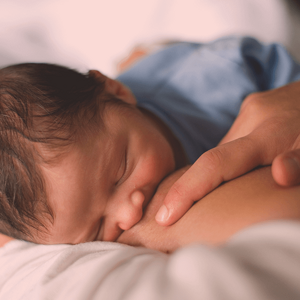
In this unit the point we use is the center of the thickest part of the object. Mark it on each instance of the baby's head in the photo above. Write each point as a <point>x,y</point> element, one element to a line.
<point>79,160</point>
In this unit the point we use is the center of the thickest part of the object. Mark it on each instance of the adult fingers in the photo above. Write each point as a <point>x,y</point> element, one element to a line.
<point>220,164</point>
<point>286,168</point>
<point>254,111</point>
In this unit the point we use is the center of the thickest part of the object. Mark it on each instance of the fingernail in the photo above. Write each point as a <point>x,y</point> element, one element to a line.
<point>162,215</point>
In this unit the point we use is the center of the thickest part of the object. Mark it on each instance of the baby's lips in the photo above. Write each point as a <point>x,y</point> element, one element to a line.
<point>108,233</point>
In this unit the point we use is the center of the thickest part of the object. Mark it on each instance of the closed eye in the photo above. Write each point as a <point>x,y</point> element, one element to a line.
<point>97,238</point>
<point>122,170</point>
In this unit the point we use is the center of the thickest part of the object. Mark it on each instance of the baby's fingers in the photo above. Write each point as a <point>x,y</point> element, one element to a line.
<point>222,163</point>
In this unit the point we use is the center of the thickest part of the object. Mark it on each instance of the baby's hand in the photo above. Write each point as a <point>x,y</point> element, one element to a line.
<point>267,131</point>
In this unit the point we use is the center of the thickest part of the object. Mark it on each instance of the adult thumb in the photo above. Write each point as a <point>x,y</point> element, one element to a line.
<point>286,168</point>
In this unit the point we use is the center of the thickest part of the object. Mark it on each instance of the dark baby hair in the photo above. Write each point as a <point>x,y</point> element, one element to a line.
<point>40,104</point>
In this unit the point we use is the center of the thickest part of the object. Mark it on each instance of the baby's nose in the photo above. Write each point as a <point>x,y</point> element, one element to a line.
<point>138,198</point>
<point>134,210</point>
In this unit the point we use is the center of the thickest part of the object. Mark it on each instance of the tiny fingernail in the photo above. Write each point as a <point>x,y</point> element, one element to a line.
<point>162,215</point>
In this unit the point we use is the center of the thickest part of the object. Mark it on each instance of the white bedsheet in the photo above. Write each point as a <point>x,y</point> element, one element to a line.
<point>262,262</point>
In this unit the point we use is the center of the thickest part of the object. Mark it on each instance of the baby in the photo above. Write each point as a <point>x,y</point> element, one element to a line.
<point>81,160</point>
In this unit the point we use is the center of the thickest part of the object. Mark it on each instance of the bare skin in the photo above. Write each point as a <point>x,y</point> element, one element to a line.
<point>235,205</point>
<point>88,228</point>
<point>108,176</point>
<point>4,239</point>
<point>101,187</point>
<point>265,132</point>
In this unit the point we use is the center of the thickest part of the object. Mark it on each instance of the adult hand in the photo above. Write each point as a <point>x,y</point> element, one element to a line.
<point>266,131</point>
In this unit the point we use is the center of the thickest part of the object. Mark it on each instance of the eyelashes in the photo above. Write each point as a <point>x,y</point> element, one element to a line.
<point>123,168</point>
<point>98,230</point>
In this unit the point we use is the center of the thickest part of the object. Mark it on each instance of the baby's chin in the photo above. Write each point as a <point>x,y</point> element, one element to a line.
<point>129,236</point>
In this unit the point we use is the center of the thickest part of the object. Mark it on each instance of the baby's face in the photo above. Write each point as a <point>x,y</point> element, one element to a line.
<point>102,185</point>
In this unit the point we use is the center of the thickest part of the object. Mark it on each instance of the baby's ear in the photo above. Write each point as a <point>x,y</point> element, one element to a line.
<point>114,87</point>
<point>98,76</point>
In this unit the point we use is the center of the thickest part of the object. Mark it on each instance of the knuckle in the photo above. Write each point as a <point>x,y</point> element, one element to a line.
<point>253,103</point>
<point>183,201</point>
<point>213,159</point>
<point>178,190</point>
<point>257,108</point>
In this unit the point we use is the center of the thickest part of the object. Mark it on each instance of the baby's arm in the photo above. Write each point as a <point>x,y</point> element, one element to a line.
<point>237,204</point>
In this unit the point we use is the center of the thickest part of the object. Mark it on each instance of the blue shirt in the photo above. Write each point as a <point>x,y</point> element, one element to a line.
<point>197,89</point>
